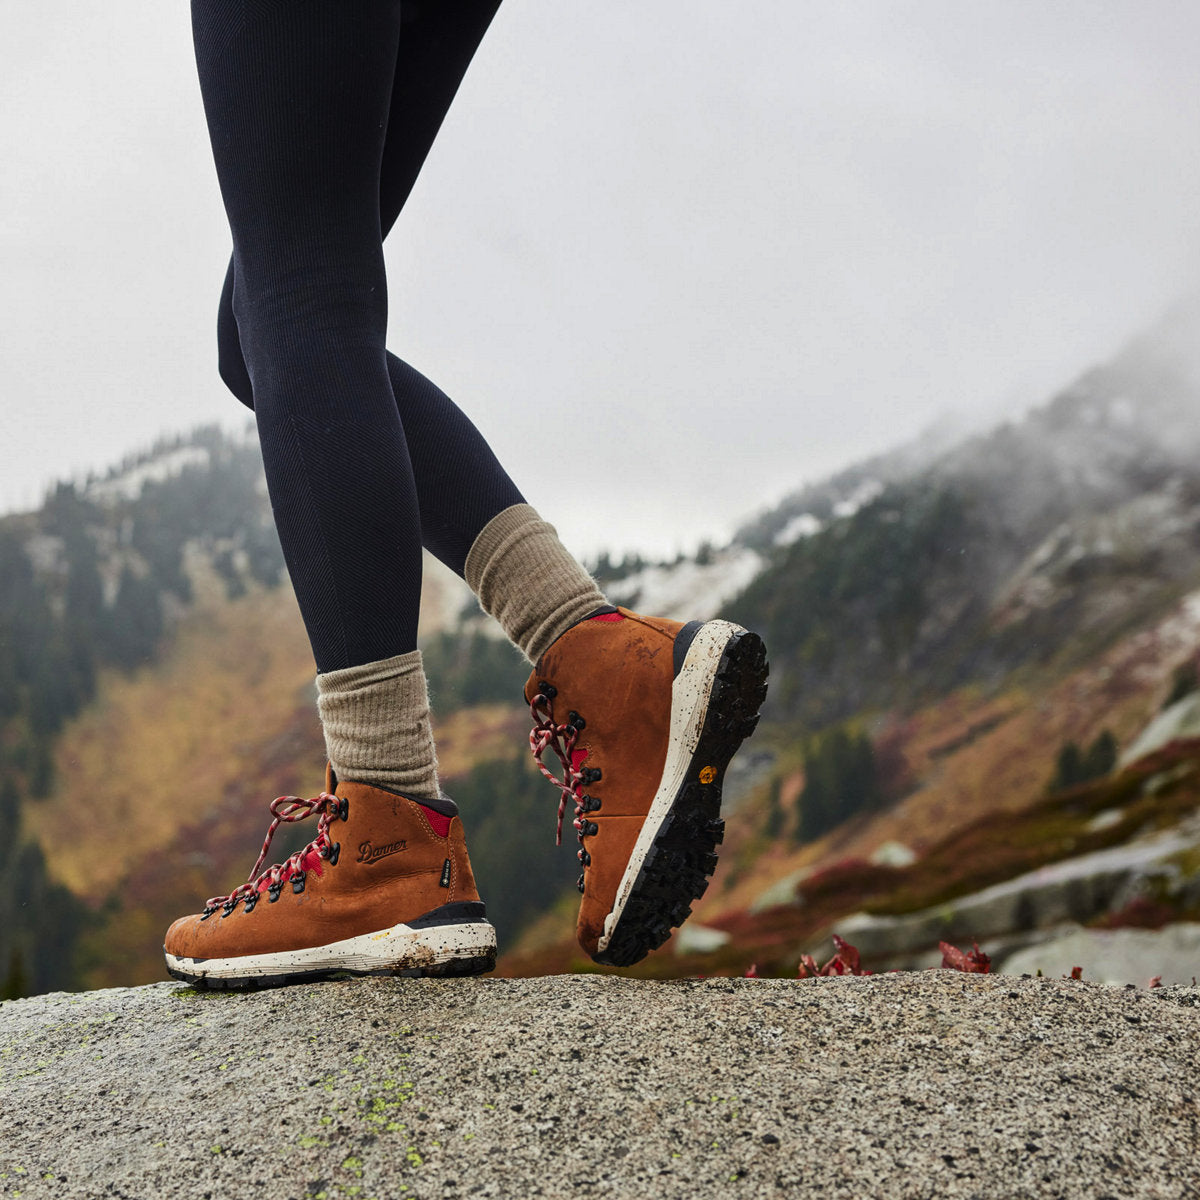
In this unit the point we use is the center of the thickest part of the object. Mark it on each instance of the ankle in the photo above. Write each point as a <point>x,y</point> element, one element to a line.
<point>525,578</point>
<point>377,725</point>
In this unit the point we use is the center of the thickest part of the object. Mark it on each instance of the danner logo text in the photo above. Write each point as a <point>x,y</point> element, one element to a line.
<point>368,852</point>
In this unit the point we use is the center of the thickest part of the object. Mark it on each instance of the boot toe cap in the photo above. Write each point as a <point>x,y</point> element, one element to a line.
<point>183,936</point>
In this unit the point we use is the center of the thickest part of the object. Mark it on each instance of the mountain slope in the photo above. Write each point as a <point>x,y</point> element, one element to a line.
<point>1037,543</point>
<point>156,692</point>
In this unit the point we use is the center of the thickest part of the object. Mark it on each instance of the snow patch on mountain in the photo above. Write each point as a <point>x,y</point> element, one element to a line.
<point>866,491</point>
<point>802,525</point>
<point>688,590</point>
<point>128,484</point>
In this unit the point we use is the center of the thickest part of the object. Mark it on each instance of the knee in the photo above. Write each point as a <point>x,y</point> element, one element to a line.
<point>307,340</point>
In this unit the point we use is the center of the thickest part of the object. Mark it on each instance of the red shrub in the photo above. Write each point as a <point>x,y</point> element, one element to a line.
<point>973,962</point>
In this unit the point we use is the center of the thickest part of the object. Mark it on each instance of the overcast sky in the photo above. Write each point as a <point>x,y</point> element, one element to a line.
<point>675,257</point>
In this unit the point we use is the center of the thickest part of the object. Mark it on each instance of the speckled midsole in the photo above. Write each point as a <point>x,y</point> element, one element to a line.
<point>690,693</point>
<point>397,948</point>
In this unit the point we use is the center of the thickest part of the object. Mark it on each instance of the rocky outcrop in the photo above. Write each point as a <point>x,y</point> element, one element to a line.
<point>1180,720</point>
<point>1032,907</point>
<point>928,1085</point>
<point>1116,955</point>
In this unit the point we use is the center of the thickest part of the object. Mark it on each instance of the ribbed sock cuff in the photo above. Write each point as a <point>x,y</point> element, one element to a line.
<point>377,726</point>
<point>525,578</point>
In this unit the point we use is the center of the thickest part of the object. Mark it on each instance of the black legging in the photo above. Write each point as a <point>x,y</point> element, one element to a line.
<point>321,113</point>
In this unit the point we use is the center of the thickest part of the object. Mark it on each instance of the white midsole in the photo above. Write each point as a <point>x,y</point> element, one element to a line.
<point>394,949</point>
<point>690,694</point>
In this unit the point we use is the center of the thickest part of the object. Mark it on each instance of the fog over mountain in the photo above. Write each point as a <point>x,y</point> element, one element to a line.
<point>1096,442</point>
<point>942,564</point>
<point>702,252</point>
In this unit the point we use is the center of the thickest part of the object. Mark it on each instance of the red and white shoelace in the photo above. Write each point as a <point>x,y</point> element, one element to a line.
<point>287,810</point>
<point>546,734</point>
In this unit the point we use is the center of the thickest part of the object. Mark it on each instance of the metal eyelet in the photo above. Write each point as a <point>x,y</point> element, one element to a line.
<point>227,908</point>
<point>547,689</point>
<point>343,810</point>
<point>208,912</point>
<point>579,883</point>
<point>298,883</point>
<point>575,721</point>
<point>584,857</point>
<point>273,892</point>
<point>334,853</point>
<point>251,901</point>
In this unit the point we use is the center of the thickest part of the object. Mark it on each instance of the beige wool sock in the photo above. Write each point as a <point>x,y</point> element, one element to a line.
<point>525,578</point>
<point>376,722</point>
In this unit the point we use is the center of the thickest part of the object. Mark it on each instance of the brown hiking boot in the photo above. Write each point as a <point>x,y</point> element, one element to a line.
<point>644,715</point>
<point>385,887</point>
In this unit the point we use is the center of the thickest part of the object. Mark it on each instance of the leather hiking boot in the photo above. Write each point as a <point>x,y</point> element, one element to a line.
<point>384,888</point>
<point>644,714</point>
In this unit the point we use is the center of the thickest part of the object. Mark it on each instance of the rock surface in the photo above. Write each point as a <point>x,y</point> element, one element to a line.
<point>926,1085</point>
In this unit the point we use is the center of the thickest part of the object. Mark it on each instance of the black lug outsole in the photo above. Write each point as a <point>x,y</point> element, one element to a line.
<point>683,855</point>
<point>476,964</point>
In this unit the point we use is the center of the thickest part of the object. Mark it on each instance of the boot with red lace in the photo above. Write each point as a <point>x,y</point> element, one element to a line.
<point>644,715</point>
<point>385,887</point>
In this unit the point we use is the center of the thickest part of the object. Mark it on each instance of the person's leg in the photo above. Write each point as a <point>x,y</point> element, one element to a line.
<point>530,583</point>
<point>459,482</point>
<point>437,43</point>
<point>523,575</point>
<point>296,96</point>
<point>461,485</point>
<point>297,99</point>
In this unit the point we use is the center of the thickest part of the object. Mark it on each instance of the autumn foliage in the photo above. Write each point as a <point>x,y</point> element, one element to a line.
<point>847,961</point>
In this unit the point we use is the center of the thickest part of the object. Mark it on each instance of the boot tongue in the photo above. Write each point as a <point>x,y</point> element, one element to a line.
<point>330,779</point>
<point>607,614</point>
